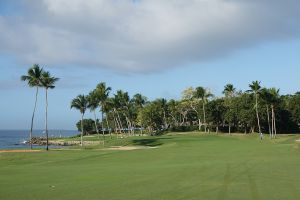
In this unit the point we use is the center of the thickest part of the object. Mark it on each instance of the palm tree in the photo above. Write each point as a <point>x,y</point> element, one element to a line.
<point>107,107</point>
<point>163,105</point>
<point>229,92</point>
<point>255,88</point>
<point>139,100</point>
<point>80,103</point>
<point>102,93</point>
<point>274,99</point>
<point>93,103</point>
<point>266,97</point>
<point>47,82</point>
<point>203,94</point>
<point>33,79</point>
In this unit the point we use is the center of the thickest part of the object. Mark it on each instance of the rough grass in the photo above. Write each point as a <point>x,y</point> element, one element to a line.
<point>193,166</point>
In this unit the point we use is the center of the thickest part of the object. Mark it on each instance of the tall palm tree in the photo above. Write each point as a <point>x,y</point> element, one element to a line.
<point>203,94</point>
<point>229,92</point>
<point>93,103</point>
<point>80,103</point>
<point>255,88</point>
<point>47,82</point>
<point>266,97</point>
<point>107,108</point>
<point>102,93</point>
<point>33,79</point>
<point>274,99</point>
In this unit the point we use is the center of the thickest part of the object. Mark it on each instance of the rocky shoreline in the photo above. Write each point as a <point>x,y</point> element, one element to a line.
<point>59,142</point>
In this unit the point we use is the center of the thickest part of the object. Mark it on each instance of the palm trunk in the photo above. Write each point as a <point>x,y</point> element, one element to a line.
<point>257,115</point>
<point>31,128</point>
<point>268,114</point>
<point>128,124</point>
<point>229,129</point>
<point>165,121</point>
<point>204,117</point>
<point>120,123</point>
<point>107,124</point>
<point>46,122</point>
<point>275,126</point>
<point>102,126</point>
<point>96,126</point>
<point>274,122</point>
<point>272,119</point>
<point>81,138</point>
<point>116,123</point>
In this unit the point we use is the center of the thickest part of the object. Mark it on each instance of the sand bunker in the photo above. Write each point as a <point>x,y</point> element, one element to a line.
<point>19,151</point>
<point>129,148</point>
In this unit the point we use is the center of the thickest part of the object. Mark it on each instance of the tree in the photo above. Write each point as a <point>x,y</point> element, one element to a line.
<point>102,93</point>
<point>294,107</point>
<point>229,92</point>
<point>151,118</point>
<point>216,110</point>
<point>203,94</point>
<point>47,82</point>
<point>80,103</point>
<point>163,108</point>
<point>273,99</point>
<point>93,103</point>
<point>245,115</point>
<point>137,103</point>
<point>88,126</point>
<point>33,79</point>
<point>173,112</point>
<point>139,100</point>
<point>188,97</point>
<point>255,88</point>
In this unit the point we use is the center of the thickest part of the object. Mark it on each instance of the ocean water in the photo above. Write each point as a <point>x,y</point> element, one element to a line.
<point>15,139</point>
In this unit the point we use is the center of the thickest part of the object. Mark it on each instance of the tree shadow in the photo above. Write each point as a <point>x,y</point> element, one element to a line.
<point>151,142</point>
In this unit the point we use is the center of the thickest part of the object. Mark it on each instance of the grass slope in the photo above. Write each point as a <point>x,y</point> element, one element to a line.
<point>182,167</point>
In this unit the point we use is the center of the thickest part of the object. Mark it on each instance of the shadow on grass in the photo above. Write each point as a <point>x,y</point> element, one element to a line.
<point>151,142</point>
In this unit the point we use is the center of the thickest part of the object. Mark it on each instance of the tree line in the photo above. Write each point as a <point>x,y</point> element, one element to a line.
<point>259,109</point>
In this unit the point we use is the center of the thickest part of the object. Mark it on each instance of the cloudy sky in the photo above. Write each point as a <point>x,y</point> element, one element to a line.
<point>154,47</point>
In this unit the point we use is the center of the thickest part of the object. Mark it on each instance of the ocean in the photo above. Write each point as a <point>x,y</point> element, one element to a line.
<point>15,139</point>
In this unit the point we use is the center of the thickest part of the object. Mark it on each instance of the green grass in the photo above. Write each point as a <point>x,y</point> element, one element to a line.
<point>194,166</point>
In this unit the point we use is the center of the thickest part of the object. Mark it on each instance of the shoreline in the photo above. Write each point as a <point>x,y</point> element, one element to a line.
<point>60,142</point>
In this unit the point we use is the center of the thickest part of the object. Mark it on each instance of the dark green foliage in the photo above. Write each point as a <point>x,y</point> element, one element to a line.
<point>88,126</point>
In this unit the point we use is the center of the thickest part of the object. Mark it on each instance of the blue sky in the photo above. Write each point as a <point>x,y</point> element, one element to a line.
<point>152,48</point>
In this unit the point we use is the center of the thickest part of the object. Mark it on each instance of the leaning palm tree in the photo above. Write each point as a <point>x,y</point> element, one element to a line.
<point>33,79</point>
<point>203,94</point>
<point>80,103</point>
<point>255,88</point>
<point>229,91</point>
<point>47,82</point>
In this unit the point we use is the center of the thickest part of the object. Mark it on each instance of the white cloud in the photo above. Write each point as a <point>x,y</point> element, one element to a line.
<point>144,35</point>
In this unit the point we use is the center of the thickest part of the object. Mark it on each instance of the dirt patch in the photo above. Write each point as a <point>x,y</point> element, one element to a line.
<point>298,140</point>
<point>19,151</point>
<point>129,148</point>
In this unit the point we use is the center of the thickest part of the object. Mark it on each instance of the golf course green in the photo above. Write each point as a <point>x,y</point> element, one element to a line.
<point>177,166</point>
